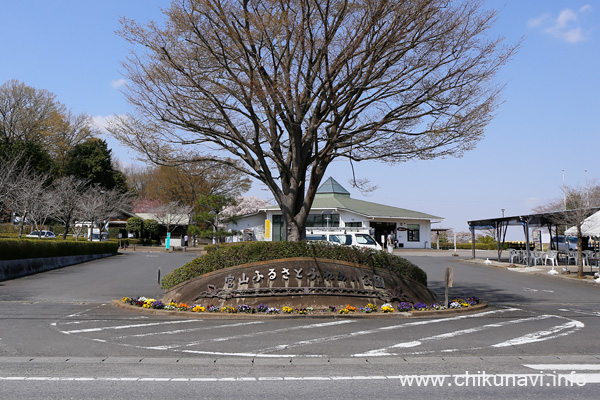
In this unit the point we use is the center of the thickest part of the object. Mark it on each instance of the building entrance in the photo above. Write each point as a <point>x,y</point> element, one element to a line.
<point>383,228</point>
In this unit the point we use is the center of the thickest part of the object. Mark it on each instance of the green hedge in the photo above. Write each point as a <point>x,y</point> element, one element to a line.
<point>248,252</point>
<point>14,249</point>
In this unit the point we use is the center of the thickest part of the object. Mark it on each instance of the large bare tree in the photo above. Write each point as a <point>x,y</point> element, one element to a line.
<point>571,210</point>
<point>68,192</point>
<point>97,205</point>
<point>288,86</point>
<point>10,173</point>
<point>28,199</point>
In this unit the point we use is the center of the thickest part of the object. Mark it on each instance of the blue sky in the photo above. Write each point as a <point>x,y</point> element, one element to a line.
<point>547,123</point>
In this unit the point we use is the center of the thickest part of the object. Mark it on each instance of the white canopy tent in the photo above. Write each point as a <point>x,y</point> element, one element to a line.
<point>590,227</point>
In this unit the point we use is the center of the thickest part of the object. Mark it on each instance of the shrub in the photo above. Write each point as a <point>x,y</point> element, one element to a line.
<point>249,252</point>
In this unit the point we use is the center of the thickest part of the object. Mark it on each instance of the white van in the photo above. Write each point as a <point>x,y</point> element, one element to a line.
<point>564,243</point>
<point>343,236</point>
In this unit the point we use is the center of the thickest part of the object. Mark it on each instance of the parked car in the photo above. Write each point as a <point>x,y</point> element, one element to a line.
<point>564,243</point>
<point>43,234</point>
<point>343,236</point>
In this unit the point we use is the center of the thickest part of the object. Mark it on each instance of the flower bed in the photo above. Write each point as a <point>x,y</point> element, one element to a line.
<point>265,309</point>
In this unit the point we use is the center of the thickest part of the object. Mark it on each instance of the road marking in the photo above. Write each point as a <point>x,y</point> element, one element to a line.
<point>204,328</point>
<point>564,367</point>
<point>207,379</point>
<point>377,330</point>
<point>295,328</point>
<point>574,377</point>
<point>129,326</point>
<point>86,321</point>
<point>312,326</point>
<point>253,355</point>
<point>594,313</point>
<point>385,351</point>
<point>541,336</point>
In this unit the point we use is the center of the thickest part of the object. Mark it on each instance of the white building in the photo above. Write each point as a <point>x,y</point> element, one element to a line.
<point>333,207</point>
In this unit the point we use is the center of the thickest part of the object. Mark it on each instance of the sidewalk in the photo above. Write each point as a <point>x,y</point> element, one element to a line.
<point>161,249</point>
<point>563,271</point>
<point>489,258</point>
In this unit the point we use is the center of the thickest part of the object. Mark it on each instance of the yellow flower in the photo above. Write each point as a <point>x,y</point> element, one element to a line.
<point>387,308</point>
<point>287,309</point>
<point>198,309</point>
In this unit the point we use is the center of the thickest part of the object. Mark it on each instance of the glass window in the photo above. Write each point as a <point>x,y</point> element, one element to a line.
<point>341,239</point>
<point>413,232</point>
<point>320,220</point>
<point>277,228</point>
<point>315,237</point>
<point>354,224</point>
<point>364,239</point>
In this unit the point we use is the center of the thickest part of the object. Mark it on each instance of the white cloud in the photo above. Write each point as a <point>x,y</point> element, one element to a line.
<point>574,35</point>
<point>102,122</point>
<point>532,23</point>
<point>566,26</point>
<point>118,83</point>
<point>565,17</point>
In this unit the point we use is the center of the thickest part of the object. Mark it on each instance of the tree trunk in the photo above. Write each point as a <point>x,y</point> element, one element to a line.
<point>67,226</point>
<point>293,219</point>
<point>22,224</point>
<point>579,252</point>
<point>296,203</point>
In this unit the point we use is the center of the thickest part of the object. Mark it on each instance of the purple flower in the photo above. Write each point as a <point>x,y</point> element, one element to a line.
<point>246,309</point>
<point>158,305</point>
<point>405,306</point>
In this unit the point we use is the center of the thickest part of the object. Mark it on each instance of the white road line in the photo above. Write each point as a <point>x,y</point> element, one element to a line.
<point>295,328</point>
<point>204,328</point>
<point>253,355</point>
<point>564,367</point>
<point>574,376</point>
<point>312,326</point>
<point>540,336</point>
<point>582,378</point>
<point>377,330</point>
<point>105,328</point>
<point>205,379</point>
<point>85,321</point>
<point>594,313</point>
<point>385,350</point>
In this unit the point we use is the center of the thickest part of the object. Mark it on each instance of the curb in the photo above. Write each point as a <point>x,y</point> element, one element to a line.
<point>204,315</point>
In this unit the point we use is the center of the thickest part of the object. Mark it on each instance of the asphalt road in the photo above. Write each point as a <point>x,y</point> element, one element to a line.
<point>60,338</point>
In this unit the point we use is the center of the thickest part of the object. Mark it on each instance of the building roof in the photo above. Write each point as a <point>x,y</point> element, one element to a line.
<point>332,187</point>
<point>331,195</point>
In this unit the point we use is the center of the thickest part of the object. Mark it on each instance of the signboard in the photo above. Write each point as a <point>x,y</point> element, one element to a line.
<point>168,241</point>
<point>267,229</point>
